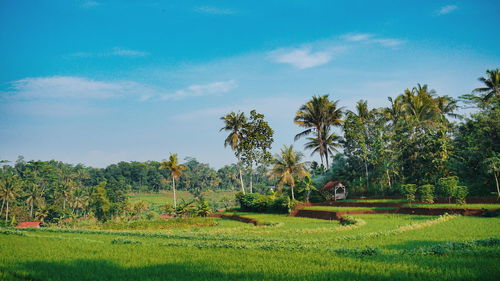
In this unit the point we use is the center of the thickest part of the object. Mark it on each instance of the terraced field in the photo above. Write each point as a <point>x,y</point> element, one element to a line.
<point>157,200</point>
<point>374,247</point>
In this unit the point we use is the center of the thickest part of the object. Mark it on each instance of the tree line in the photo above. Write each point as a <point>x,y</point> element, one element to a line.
<point>419,139</point>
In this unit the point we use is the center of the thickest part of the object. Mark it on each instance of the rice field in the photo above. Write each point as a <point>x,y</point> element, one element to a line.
<point>375,247</point>
<point>156,200</point>
<point>343,209</point>
<point>455,206</point>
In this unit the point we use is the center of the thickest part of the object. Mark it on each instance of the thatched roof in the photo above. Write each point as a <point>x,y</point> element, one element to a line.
<point>331,185</point>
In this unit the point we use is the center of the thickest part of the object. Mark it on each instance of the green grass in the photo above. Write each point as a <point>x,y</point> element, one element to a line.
<point>455,206</point>
<point>377,247</point>
<point>345,209</point>
<point>375,200</point>
<point>157,200</point>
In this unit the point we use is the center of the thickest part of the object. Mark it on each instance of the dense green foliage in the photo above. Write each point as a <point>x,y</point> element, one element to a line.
<point>421,138</point>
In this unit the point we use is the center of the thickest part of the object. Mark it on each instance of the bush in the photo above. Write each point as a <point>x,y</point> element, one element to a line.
<point>254,202</point>
<point>460,194</point>
<point>409,191</point>
<point>427,193</point>
<point>447,187</point>
<point>202,208</point>
<point>151,215</point>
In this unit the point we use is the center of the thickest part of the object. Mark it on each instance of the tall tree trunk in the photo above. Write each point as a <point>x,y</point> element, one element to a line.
<point>308,194</point>
<point>3,203</point>
<point>293,197</point>
<point>496,180</point>
<point>251,181</point>
<point>7,211</point>
<point>241,182</point>
<point>366,173</point>
<point>326,159</point>
<point>388,179</point>
<point>173,188</point>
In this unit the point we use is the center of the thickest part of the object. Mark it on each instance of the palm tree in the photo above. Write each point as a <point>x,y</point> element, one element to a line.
<point>491,85</point>
<point>317,116</point>
<point>287,166</point>
<point>363,115</point>
<point>9,187</point>
<point>33,193</point>
<point>234,123</point>
<point>326,146</point>
<point>175,171</point>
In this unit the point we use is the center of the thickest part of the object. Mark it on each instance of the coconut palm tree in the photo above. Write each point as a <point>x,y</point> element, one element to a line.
<point>317,116</point>
<point>363,115</point>
<point>327,145</point>
<point>287,166</point>
<point>32,193</point>
<point>175,171</point>
<point>234,123</point>
<point>491,84</point>
<point>9,188</point>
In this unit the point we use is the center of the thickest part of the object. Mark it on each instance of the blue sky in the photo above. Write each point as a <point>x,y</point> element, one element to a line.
<point>97,82</point>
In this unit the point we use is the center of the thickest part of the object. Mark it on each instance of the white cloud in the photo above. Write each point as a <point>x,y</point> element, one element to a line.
<point>203,90</point>
<point>74,87</point>
<point>301,58</point>
<point>90,4</point>
<point>447,9</point>
<point>56,87</point>
<point>373,39</point>
<point>355,37</point>
<point>115,51</point>
<point>214,10</point>
<point>126,52</point>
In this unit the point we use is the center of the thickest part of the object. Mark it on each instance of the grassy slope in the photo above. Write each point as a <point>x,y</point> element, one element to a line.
<point>156,200</point>
<point>287,251</point>
<point>344,209</point>
<point>456,206</point>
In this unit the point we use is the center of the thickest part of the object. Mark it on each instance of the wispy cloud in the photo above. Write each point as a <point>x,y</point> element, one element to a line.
<point>373,39</point>
<point>90,4</point>
<point>301,58</point>
<point>115,51</point>
<point>446,10</point>
<point>64,87</point>
<point>74,87</point>
<point>202,90</point>
<point>214,10</point>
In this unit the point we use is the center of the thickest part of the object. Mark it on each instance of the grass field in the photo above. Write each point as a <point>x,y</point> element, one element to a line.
<point>377,247</point>
<point>376,200</point>
<point>157,200</point>
<point>455,206</point>
<point>343,209</point>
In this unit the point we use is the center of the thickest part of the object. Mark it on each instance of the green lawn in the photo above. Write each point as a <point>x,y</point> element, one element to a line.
<point>455,206</point>
<point>345,209</point>
<point>157,200</point>
<point>375,200</point>
<point>377,247</point>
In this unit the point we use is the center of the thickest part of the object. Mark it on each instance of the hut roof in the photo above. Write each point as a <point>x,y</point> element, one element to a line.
<point>330,185</point>
<point>28,224</point>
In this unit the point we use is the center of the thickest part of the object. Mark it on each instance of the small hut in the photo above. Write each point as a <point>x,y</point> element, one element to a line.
<point>334,190</point>
<point>25,224</point>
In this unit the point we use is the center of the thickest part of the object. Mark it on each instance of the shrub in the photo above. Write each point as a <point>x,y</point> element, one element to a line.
<point>124,241</point>
<point>460,194</point>
<point>409,191</point>
<point>202,208</point>
<point>151,215</point>
<point>427,193</point>
<point>447,187</point>
<point>255,202</point>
